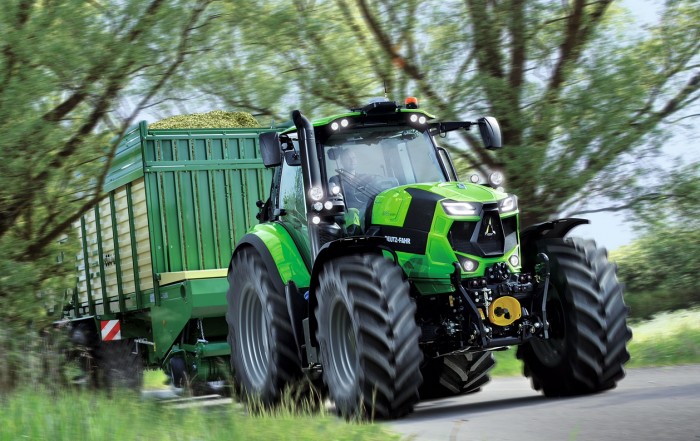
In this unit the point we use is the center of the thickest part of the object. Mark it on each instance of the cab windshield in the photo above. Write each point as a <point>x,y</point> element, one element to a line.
<point>366,161</point>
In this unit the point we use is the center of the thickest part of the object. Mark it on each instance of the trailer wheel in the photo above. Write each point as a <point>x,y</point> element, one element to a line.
<point>368,337</point>
<point>457,374</point>
<point>118,366</point>
<point>263,352</point>
<point>587,349</point>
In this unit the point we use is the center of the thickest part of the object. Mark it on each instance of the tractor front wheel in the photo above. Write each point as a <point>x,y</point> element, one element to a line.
<point>368,337</point>
<point>457,374</point>
<point>588,334</point>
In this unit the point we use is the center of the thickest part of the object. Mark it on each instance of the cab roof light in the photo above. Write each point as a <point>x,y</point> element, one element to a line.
<point>411,102</point>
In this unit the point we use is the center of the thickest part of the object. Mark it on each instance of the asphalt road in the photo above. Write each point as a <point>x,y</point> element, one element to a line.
<point>648,404</point>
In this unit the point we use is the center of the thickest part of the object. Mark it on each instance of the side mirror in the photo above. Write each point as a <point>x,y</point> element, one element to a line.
<point>490,132</point>
<point>271,149</point>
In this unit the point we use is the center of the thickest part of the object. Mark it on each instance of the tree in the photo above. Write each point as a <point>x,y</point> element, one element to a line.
<point>66,68</point>
<point>659,269</point>
<point>578,95</point>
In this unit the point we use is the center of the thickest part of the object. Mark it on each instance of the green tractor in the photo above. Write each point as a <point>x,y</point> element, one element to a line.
<point>376,270</point>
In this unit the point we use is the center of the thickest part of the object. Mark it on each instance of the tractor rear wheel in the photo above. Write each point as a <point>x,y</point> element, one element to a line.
<point>368,337</point>
<point>457,374</point>
<point>263,350</point>
<point>588,334</point>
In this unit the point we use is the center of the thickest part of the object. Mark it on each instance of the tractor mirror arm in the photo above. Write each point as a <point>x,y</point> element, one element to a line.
<point>488,127</point>
<point>442,128</point>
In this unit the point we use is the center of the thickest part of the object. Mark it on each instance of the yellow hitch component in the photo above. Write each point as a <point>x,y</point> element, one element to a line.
<point>504,310</point>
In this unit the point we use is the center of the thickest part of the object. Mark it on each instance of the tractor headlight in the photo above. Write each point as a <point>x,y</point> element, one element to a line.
<point>514,260</point>
<point>508,204</point>
<point>469,265</point>
<point>460,208</point>
<point>496,179</point>
<point>316,193</point>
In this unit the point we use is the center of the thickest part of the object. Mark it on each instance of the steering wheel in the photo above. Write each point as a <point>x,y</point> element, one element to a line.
<point>364,187</point>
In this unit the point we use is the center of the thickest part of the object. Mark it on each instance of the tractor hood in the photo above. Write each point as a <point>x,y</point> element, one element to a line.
<point>433,225</point>
<point>416,204</point>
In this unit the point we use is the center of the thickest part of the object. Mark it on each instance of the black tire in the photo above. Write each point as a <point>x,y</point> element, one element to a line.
<point>368,337</point>
<point>178,372</point>
<point>457,374</point>
<point>587,347</point>
<point>118,366</point>
<point>263,350</point>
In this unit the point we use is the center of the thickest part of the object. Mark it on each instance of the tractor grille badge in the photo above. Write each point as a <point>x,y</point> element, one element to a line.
<point>489,228</point>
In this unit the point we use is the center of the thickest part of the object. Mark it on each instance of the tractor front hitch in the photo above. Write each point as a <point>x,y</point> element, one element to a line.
<point>542,272</point>
<point>472,310</point>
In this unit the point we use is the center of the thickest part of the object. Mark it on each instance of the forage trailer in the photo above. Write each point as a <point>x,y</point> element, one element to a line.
<point>152,283</point>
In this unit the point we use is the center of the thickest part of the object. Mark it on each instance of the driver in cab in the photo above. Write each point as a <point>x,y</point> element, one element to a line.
<point>347,178</point>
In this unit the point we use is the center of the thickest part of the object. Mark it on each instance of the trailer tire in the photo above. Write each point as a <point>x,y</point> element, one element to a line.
<point>457,374</point>
<point>118,366</point>
<point>264,357</point>
<point>587,347</point>
<point>368,337</point>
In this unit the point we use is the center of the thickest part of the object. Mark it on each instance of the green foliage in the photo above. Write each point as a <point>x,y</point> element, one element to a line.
<point>66,69</point>
<point>660,268</point>
<point>666,340</point>
<point>579,90</point>
<point>70,416</point>
<point>216,119</point>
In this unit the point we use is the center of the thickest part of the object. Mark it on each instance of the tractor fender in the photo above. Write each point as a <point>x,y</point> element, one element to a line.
<point>278,251</point>
<point>331,250</point>
<point>545,230</point>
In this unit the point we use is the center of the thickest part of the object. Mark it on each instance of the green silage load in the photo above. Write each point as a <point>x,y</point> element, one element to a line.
<point>216,119</point>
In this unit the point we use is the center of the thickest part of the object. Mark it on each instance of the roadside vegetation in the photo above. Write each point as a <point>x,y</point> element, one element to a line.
<point>38,415</point>
<point>669,339</point>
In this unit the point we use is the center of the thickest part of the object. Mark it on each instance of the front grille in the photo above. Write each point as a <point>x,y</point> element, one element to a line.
<point>491,239</point>
<point>490,236</point>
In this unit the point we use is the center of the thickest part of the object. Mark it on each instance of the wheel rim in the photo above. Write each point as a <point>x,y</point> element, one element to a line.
<point>343,346</point>
<point>254,344</point>
<point>551,352</point>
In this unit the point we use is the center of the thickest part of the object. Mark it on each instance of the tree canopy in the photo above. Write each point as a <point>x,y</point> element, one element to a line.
<point>579,94</point>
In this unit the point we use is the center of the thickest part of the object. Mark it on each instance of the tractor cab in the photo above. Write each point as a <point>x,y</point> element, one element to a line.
<point>354,157</point>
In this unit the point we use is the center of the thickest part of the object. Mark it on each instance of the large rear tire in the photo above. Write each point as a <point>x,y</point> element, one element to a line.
<point>587,349</point>
<point>368,337</point>
<point>457,374</point>
<point>263,352</point>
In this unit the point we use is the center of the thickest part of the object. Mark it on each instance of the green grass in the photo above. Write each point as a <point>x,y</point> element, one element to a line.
<point>155,379</point>
<point>668,339</point>
<point>83,416</point>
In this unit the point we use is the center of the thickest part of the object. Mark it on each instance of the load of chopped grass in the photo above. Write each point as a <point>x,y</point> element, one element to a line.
<point>216,119</point>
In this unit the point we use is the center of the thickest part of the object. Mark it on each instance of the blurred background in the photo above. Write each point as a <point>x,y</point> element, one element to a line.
<point>598,103</point>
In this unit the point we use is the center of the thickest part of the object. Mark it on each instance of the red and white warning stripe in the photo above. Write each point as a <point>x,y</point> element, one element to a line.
<point>111,330</point>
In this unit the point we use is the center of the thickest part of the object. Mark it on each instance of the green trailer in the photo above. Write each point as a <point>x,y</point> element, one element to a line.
<point>152,266</point>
